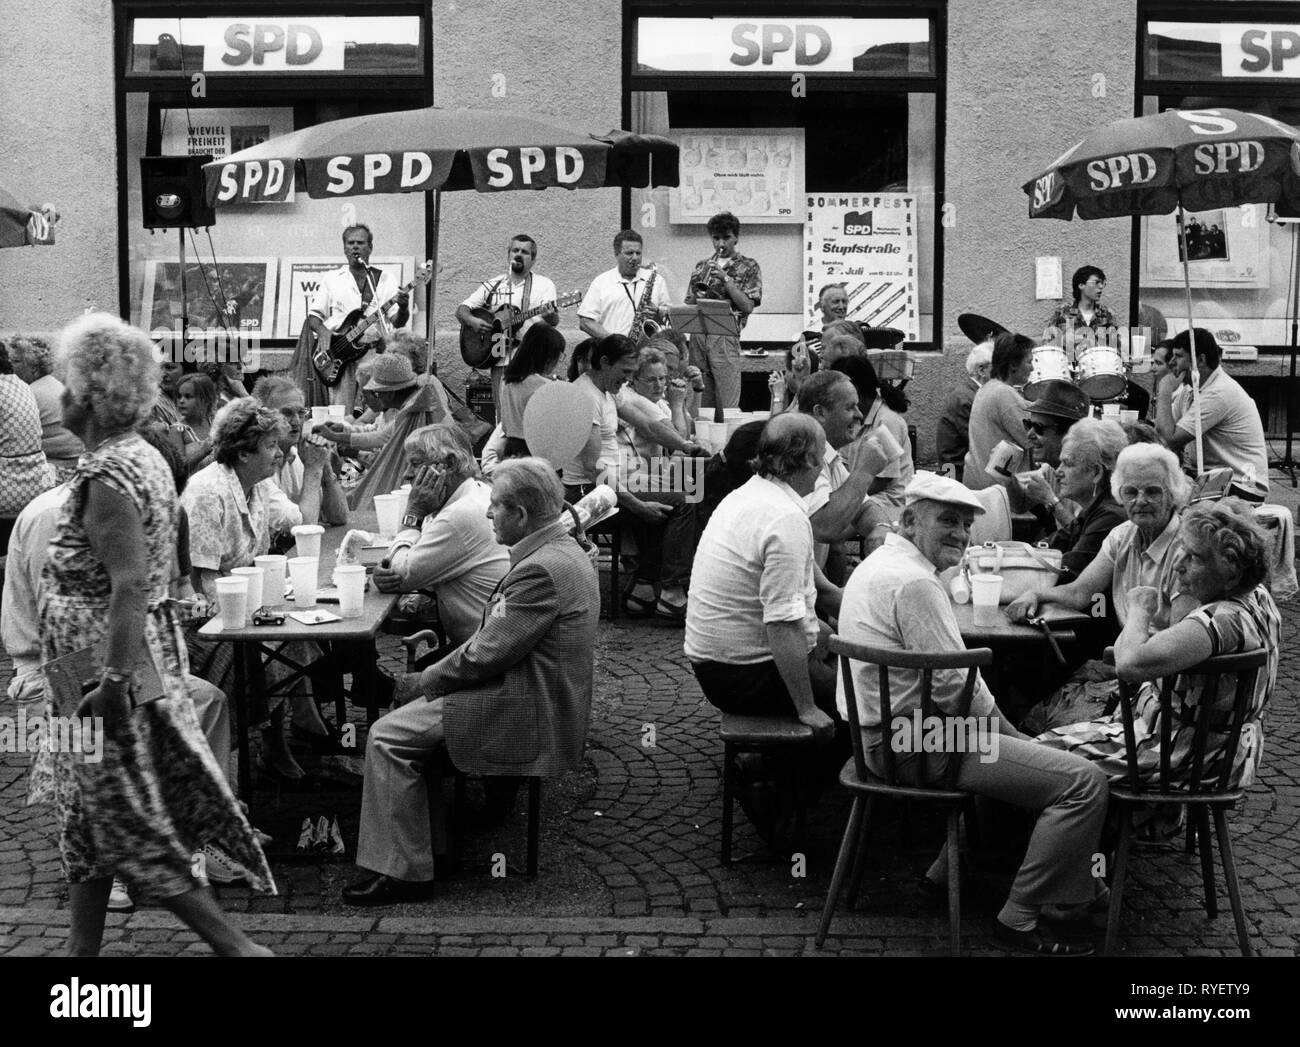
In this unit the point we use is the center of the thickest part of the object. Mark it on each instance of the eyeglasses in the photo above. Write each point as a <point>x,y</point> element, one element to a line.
<point>1152,494</point>
<point>1040,427</point>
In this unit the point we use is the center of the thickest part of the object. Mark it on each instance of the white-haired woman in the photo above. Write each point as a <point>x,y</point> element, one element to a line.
<point>1225,567</point>
<point>32,358</point>
<point>1144,551</point>
<point>157,796</point>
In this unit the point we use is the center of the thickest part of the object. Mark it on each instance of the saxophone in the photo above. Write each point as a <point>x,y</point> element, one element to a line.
<point>643,327</point>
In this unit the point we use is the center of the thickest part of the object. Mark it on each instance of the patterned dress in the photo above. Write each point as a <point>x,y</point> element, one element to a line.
<point>157,795</point>
<point>1242,623</point>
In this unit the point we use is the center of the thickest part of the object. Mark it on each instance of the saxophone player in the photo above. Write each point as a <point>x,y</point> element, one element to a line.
<point>612,299</point>
<point>726,277</point>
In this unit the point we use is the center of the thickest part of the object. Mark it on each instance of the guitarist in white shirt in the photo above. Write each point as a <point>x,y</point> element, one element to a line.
<point>520,288</point>
<point>348,288</point>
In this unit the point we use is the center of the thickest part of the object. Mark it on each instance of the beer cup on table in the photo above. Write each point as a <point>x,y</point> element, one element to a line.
<point>256,577</point>
<point>307,539</point>
<point>351,582</point>
<point>232,601</point>
<point>274,569</point>
<point>302,573</point>
<point>986,592</point>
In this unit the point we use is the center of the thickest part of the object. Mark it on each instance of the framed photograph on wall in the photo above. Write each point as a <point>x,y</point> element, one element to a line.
<point>237,297</point>
<point>757,175</point>
<point>1227,248</point>
<point>300,279</point>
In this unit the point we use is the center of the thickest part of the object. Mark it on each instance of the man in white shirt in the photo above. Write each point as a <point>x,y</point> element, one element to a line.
<point>305,474</point>
<point>520,288</point>
<point>1232,433</point>
<point>611,301</point>
<point>895,600</point>
<point>446,544</point>
<point>350,287</point>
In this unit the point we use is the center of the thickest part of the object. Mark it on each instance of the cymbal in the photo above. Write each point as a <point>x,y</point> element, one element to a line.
<point>882,337</point>
<point>979,328</point>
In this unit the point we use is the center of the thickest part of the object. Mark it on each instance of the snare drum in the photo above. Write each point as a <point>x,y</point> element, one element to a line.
<point>1050,363</point>
<point>1101,373</point>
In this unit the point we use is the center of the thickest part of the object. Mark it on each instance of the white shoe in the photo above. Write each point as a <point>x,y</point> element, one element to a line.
<point>219,867</point>
<point>118,899</point>
<point>336,838</point>
<point>307,835</point>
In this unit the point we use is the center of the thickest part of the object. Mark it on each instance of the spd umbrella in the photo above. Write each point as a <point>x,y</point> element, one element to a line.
<point>1181,159</point>
<point>20,225</point>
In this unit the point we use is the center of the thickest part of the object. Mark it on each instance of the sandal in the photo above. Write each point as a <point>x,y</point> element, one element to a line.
<point>636,607</point>
<point>674,612</point>
<point>1039,941</point>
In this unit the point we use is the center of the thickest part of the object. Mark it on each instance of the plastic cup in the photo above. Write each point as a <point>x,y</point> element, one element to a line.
<point>1001,459</point>
<point>388,510</point>
<point>351,580</point>
<point>232,599</point>
<point>338,411</point>
<point>1128,417</point>
<point>302,572</point>
<point>888,445</point>
<point>403,496</point>
<point>307,539</point>
<point>274,568</point>
<point>986,591</point>
<point>255,576</point>
<point>320,414</point>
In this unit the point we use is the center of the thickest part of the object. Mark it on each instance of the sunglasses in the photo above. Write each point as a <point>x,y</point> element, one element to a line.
<point>1040,428</point>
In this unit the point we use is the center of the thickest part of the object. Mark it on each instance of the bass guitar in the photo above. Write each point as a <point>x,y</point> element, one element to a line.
<point>479,348</point>
<point>345,344</point>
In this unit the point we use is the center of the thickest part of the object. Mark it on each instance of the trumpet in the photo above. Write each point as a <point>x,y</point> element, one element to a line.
<point>702,286</point>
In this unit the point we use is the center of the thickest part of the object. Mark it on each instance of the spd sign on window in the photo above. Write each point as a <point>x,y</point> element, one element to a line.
<point>1262,51</point>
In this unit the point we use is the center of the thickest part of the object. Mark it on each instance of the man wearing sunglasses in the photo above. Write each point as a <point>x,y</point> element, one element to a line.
<point>1057,408</point>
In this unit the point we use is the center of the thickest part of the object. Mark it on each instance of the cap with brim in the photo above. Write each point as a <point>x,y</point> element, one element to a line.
<point>1060,399</point>
<point>979,328</point>
<point>931,487</point>
<point>389,373</point>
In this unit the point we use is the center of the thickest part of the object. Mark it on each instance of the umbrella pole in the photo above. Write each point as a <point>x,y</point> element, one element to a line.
<point>430,327</point>
<point>1191,341</point>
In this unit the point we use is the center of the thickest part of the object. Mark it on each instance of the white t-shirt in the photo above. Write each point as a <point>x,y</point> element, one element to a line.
<point>601,450</point>
<point>611,301</point>
<point>754,565</point>
<point>505,289</point>
<point>338,295</point>
<point>1232,433</point>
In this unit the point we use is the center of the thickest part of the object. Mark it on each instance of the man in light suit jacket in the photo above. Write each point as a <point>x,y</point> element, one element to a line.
<point>514,699</point>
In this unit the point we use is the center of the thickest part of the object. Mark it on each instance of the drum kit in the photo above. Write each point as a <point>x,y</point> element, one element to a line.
<point>1097,369</point>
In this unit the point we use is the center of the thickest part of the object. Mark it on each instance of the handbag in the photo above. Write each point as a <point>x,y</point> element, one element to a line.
<point>1022,566</point>
<point>580,536</point>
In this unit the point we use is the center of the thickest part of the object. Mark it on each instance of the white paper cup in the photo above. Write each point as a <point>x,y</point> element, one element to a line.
<point>1003,456</point>
<point>338,411</point>
<point>387,509</point>
<point>320,414</point>
<point>1137,346</point>
<point>302,572</point>
<point>888,445</point>
<point>255,576</point>
<point>1128,417</point>
<point>274,568</point>
<point>351,580</point>
<point>232,599</point>
<point>307,539</point>
<point>985,591</point>
<point>403,496</point>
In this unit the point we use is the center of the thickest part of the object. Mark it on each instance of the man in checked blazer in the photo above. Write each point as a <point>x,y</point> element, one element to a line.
<point>513,699</point>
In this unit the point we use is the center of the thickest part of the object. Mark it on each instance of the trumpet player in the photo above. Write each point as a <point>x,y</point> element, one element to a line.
<point>615,296</point>
<point>726,277</point>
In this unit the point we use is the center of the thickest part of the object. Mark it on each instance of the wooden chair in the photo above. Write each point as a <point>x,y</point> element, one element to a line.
<point>1202,794</point>
<point>751,734</point>
<point>441,765</point>
<point>866,786</point>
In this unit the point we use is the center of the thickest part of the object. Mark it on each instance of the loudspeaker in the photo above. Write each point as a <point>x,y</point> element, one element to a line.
<point>172,187</point>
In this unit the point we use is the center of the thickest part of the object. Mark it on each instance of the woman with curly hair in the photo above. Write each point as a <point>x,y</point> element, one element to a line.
<point>32,358</point>
<point>157,795</point>
<point>1225,566</point>
<point>24,472</point>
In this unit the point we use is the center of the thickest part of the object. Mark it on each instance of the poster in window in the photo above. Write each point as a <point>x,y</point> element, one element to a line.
<point>300,280</point>
<point>756,175</point>
<point>220,132</point>
<point>867,242</point>
<point>237,296</point>
<point>1226,247</point>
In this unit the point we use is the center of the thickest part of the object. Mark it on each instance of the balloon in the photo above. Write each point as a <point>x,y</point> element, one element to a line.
<point>557,422</point>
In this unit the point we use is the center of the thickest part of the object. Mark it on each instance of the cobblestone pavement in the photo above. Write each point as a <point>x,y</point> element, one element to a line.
<point>630,856</point>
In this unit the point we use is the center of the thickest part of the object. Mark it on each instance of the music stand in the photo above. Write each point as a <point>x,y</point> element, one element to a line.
<point>708,319</point>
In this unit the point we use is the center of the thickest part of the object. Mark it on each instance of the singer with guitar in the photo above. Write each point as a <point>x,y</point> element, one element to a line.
<point>737,280</point>
<point>353,286</point>
<point>519,288</point>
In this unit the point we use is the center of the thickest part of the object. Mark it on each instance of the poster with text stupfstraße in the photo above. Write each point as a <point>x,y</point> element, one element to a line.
<point>867,242</point>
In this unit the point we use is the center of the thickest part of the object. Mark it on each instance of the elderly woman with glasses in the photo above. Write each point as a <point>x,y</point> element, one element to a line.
<point>1225,568</point>
<point>156,795</point>
<point>1143,551</point>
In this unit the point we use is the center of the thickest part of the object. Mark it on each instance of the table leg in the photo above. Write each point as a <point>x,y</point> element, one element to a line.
<point>241,725</point>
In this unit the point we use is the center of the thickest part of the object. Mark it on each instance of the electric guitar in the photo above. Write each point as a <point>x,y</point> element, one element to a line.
<point>479,348</point>
<point>345,344</point>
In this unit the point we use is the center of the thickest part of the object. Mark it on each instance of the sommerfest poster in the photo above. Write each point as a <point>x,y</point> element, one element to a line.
<point>867,242</point>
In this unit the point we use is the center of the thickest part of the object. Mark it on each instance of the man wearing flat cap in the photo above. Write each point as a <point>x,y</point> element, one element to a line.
<point>895,599</point>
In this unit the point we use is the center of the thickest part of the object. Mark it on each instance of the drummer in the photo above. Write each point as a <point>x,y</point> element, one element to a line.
<point>1085,321</point>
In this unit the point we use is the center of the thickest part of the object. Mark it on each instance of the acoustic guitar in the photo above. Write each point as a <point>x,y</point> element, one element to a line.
<point>345,344</point>
<point>479,348</point>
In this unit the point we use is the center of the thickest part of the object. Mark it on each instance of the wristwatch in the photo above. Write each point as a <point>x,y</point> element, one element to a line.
<point>411,520</point>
